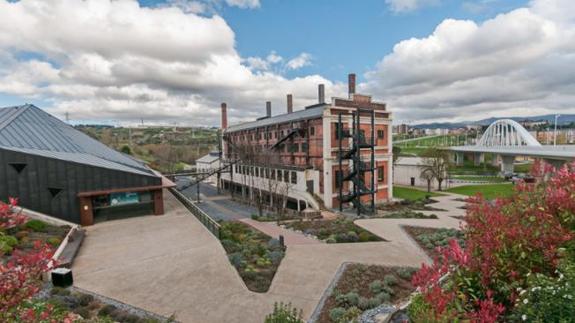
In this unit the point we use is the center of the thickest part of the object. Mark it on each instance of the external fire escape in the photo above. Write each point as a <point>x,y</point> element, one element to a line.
<point>360,157</point>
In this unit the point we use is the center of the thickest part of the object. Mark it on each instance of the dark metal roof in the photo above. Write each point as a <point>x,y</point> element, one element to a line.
<point>311,112</point>
<point>31,130</point>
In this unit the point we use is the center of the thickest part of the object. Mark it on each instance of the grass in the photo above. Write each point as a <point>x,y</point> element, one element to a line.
<point>489,191</point>
<point>412,194</point>
<point>362,287</point>
<point>334,231</point>
<point>489,179</point>
<point>255,255</point>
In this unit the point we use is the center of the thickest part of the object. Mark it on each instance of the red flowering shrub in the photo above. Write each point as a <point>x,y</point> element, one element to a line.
<point>506,240</point>
<point>20,276</point>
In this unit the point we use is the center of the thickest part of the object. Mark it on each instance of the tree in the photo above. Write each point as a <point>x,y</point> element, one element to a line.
<point>126,150</point>
<point>396,152</point>
<point>429,176</point>
<point>436,162</point>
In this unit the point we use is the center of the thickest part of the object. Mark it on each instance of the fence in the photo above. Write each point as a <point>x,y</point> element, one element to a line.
<point>206,220</point>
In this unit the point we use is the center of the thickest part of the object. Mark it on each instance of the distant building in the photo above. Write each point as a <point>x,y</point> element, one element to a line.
<point>55,169</point>
<point>208,163</point>
<point>407,171</point>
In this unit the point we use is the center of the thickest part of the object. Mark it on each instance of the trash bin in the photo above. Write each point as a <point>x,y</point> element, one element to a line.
<point>62,277</point>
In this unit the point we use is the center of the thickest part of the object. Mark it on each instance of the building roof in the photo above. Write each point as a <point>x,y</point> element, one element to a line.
<point>209,158</point>
<point>314,111</point>
<point>409,161</point>
<point>30,130</point>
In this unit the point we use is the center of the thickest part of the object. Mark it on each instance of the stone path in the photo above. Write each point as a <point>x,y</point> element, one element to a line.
<point>171,264</point>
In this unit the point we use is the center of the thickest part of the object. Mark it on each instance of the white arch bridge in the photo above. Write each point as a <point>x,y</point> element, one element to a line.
<point>507,139</point>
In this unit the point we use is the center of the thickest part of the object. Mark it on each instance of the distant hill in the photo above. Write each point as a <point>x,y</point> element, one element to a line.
<point>563,119</point>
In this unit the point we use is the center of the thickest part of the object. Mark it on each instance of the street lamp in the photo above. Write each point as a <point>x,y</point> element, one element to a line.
<point>555,132</point>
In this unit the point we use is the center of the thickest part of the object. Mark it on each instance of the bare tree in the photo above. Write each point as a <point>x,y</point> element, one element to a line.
<point>436,161</point>
<point>427,175</point>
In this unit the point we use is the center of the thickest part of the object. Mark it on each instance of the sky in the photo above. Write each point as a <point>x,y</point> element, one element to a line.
<point>175,61</point>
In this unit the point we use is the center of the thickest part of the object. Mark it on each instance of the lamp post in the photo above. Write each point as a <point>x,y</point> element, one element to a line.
<point>555,132</point>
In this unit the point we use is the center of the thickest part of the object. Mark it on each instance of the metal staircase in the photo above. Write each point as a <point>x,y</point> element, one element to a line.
<point>357,168</point>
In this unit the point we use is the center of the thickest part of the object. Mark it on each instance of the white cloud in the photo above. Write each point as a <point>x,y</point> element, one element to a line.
<point>115,60</point>
<point>244,3</point>
<point>518,62</point>
<point>303,59</point>
<point>402,6</point>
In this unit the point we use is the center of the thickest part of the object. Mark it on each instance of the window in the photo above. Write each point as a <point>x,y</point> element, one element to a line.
<point>293,177</point>
<point>251,170</point>
<point>338,179</point>
<point>312,131</point>
<point>337,126</point>
<point>304,147</point>
<point>286,176</point>
<point>380,174</point>
<point>380,134</point>
<point>18,167</point>
<point>257,172</point>
<point>267,173</point>
<point>54,191</point>
<point>273,174</point>
<point>279,175</point>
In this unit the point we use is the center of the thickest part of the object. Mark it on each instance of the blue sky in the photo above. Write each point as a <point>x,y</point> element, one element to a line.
<point>175,61</point>
<point>341,35</point>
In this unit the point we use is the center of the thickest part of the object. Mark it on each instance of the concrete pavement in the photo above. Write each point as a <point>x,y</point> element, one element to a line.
<point>171,264</point>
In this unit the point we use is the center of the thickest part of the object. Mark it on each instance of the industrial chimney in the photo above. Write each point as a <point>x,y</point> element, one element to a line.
<point>289,103</point>
<point>351,85</point>
<point>269,109</point>
<point>321,93</point>
<point>224,116</point>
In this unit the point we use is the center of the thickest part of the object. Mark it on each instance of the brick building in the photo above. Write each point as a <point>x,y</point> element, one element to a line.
<point>330,153</point>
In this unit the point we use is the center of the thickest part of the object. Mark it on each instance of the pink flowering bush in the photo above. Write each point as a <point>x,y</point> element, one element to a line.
<point>506,241</point>
<point>20,277</point>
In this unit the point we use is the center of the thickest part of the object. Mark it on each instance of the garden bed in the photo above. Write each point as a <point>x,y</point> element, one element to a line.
<point>406,214</point>
<point>431,238</point>
<point>24,236</point>
<point>410,205</point>
<point>334,231</point>
<point>363,287</point>
<point>93,309</point>
<point>255,255</point>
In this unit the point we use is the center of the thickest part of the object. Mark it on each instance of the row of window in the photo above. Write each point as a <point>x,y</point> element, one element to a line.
<point>270,173</point>
<point>269,135</point>
<point>380,132</point>
<point>380,176</point>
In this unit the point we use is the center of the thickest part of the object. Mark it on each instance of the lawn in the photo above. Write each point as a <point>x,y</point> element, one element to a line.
<point>489,191</point>
<point>478,178</point>
<point>412,194</point>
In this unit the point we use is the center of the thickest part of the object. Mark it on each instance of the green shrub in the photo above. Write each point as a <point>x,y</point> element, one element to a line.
<point>406,272</point>
<point>85,299</point>
<point>383,297</point>
<point>7,243</point>
<point>337,313</point>
<point>364,236</point>
<point>347,300</point>
<point>331,239</point>
<point>54,241</point>
<point>352,236</point>
<point>36,225</point>
<point>389,280</point>
<point>350,315</point>
<point>60,291</point>
<point>276,257</point>
<point>284,313</point>
<point>547,299</point>
<point>263,262</point>
<point>83,312</point>
<point>237,260</point>
<point>376,286</point>
<point>107,310</point>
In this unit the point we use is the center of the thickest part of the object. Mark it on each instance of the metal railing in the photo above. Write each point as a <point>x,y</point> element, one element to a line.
<point>205,219</point>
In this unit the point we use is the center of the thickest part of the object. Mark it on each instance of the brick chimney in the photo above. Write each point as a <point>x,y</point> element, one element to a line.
<point>321,93</point>
<point>224,116</point>
<point>269,109</point>
<point>289,103</point>
<point>351,85</point>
